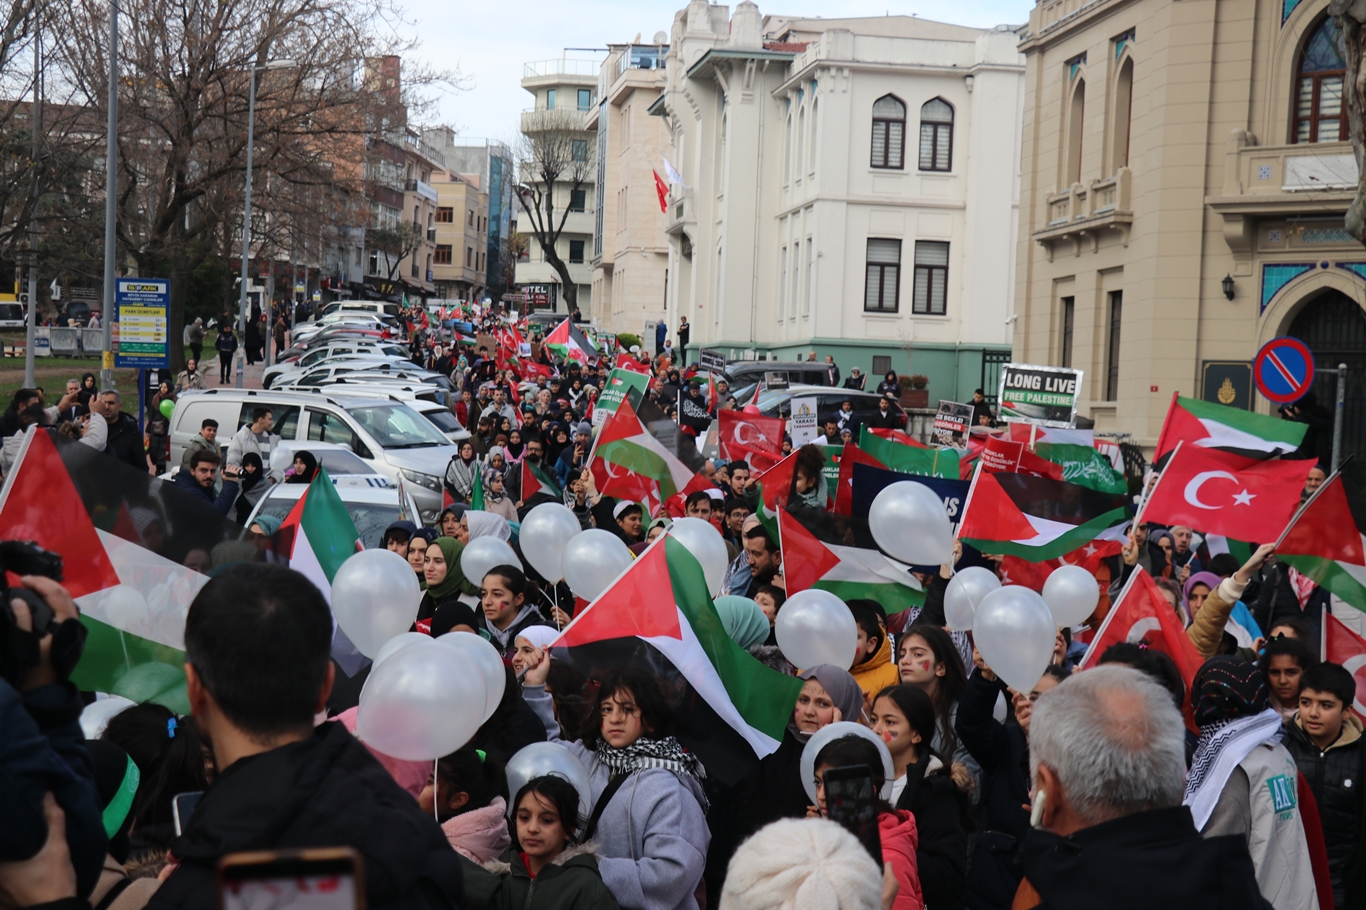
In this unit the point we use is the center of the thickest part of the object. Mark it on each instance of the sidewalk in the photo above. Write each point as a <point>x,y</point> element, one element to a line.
<point>251,376</point>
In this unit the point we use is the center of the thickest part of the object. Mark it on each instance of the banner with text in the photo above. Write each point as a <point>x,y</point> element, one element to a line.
<point>1043,395</point>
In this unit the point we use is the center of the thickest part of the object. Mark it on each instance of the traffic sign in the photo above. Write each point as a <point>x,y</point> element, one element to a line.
<point>1283,370</point>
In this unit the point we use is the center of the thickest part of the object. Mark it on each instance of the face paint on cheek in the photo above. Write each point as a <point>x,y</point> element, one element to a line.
<point>887,736</point>
<point>925,666</point>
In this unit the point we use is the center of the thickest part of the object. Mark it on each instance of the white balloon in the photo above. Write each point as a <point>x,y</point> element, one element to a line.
<point>1015,632</point>
<point>815,627</point>
<point>909,523</point>
<point>1071,593</point>
<point>592,561</point>
<point>420,705</point>
<point>838,730</point>
<point>964,593</point>
<point>482,554</point>
<point>482,653</point>
<point>542,759</point>
<point>707,546</point>
<point>374,597</point>
<point>398,643</point>
<point>544,534</point>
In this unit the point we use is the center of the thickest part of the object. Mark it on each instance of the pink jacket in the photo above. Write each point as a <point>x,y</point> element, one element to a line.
<point>410,775</point>
<point>480,835</point>
<point>899,841</point>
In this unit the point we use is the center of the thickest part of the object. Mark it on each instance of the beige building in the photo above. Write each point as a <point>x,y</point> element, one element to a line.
<point>1185,174</point>
<point>565,93</point>
<point>630,261</point>
<point>460,258</point>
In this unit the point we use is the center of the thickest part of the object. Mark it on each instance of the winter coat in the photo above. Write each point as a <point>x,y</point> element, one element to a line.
<point>225,344</point>
<point>1140,861</point>
<point>503,507</point>
<point>506,640</point>
<point>1207,627</point>
<point>460,477</point>
<point>1276,600</point>
<point>652,836</point>
<point>245,441</point>
<point>480,834</point>
<point>185,482</point>
<point>125,442</point>
<point>877,672</point>
<point>897,831</point>
<point>942,852</point>
<point>571,881</point>
<point>1335,776</point>
<point>322,791</point>
<point>196,443</point>
<point>1003,752</point>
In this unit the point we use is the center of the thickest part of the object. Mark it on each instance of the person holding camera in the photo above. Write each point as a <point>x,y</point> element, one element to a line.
<point>198,479</point>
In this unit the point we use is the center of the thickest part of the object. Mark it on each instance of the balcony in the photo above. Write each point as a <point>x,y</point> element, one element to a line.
<point>422,189</point>
<point>431,235</point>
<point>561,67</point>
<point>541,120</point>
<point>1083,212</point>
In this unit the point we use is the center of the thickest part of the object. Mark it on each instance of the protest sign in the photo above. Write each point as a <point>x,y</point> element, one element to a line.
<point>1046,396</point>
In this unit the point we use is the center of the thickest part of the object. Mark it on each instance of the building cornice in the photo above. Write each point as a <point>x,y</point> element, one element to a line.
<point>706,65</point>
<point>913,69</point>
<point>1066,25</point>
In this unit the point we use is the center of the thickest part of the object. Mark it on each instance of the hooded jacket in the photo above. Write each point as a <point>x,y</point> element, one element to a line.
<point>897,831</point>
<point>505,640</point>
<point>323,791</point>
<point>480,835</point>
<point>877,672</point>
<point>942,852</point>
<point>1334,775</point>
<point>571,881</point>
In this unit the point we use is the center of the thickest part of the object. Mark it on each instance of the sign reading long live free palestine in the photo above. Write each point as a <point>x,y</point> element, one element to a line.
<point>1047,396</point>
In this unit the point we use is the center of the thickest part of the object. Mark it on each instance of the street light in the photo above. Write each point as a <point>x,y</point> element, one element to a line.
<point>246,214</point>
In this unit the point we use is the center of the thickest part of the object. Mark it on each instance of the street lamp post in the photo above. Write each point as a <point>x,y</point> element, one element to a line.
<point>246,214</point>
<point>110,191</point>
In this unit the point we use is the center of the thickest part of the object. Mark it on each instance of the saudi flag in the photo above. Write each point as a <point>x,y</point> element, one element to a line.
<point>569,343</point>
<point>731,709</point>
<point>1213,426</point>
<point>896,456</point>
<point>1038,518</point>
<point>813,559</point>
<point>318,535</point>
<point>1325,542</point>
<point>629,462</point>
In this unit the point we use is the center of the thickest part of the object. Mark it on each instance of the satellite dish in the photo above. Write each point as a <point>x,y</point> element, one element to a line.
<point>661,38</point>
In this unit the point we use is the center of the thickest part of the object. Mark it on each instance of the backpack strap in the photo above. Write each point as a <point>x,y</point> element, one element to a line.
<point>610,791</point>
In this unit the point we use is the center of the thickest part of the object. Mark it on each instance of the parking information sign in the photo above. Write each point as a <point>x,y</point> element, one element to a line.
<point>1046,396</point>
<point>142,305</point>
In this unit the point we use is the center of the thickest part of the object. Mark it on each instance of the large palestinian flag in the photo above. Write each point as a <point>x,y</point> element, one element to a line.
<point>535,479</point>
<point>1037,518</point>
<point>629,462</point>
<point>1213,426</point>
<point>815,557</point>
<point>1325,542</point>
<point>731,709</point>
<point>318,535</point>
<point>571,344</point>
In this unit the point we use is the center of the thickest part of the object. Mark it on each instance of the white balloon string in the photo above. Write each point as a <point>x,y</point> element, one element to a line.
<point>436,791</point>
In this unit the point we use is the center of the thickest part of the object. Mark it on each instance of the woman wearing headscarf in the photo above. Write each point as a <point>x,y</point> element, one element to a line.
<point>445,582</point>
<point>514,449</point>
<point>495,462</point>
<point>743,620</point>
<point>485,524</point>
<point>460,473</point>
<point>1243,781</point>
<point>305,466</point>
<point>1162,545</point>
<point>251,485</point>
<point>88,389</point>
<point>496,500</point>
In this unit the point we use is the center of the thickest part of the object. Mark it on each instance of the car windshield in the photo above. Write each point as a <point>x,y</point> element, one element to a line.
<point>444,420</point>
<point>339,461</point>
<point>397,426</point>
<point>370,518</point>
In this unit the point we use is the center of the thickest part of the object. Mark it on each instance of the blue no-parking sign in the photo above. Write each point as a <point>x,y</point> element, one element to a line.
<point>1283,370</point>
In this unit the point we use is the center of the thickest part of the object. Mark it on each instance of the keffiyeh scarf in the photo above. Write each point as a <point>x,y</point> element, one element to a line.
<point>645,753</point>
<point>1223,746</point>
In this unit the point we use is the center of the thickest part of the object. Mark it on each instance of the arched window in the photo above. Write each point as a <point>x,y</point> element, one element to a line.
<point>1320,115</point>
<point>1076,116</point>
<point>889,133</point>
<point>1124,95</point>
<point>936,135</point>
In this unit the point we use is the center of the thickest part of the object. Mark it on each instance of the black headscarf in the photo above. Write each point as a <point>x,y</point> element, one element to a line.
<point>1226,688</point>
<point>310,468</point>
<point>249,480</point>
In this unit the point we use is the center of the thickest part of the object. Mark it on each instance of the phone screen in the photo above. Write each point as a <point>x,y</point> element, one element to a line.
<point>851,801</point>
<point>324,879</point>
<point>182,807</point>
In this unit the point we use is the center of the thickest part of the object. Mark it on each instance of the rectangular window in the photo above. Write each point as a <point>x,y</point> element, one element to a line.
<point>931,277</point>
<point>576,251</point>
<point>880,293</point>
<point>796,276</point>
<point>578,200</point>
<point>550,99</point>
<point>579,149</point>
<point>889,143</point>
<point>469,219</point>
<point>810,268</point>
<point>585,99</point>
<point>1069,313</point>
<point>882,364</point>
<point>445,215</point>
<point>936,145</point>
<point>1112,346</point>
<point>469,257</point>
<point>443,254</point>
<point>782,283</point>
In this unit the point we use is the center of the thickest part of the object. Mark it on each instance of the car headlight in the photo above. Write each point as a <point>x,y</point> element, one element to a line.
<point>430,481</point>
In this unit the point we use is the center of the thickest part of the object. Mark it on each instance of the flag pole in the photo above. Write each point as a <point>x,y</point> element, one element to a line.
<point>1304,506</point>
<point>1105,623</point>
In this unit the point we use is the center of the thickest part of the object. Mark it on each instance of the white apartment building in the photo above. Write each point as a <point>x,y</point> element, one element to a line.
<point>852,188</point>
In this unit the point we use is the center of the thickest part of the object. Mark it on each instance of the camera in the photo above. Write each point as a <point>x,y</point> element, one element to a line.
<point>19,648</point>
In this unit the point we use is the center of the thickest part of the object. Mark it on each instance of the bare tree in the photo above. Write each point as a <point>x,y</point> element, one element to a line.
<point>557,162</point>
<point>395,243</point>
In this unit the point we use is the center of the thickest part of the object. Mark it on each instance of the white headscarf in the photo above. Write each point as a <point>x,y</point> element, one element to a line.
<point>486,524</point>
<point>539,636</point>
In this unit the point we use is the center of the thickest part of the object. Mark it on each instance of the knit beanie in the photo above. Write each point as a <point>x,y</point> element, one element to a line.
<point>802,864</point>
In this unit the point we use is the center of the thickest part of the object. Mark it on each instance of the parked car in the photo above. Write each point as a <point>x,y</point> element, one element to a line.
<point>372,508</point>
<point>361,306</point>
<point>441,417</point>
<point>744,376</point>
<point>11,316</point>
<point>337,350</point>
<point>778,403</point>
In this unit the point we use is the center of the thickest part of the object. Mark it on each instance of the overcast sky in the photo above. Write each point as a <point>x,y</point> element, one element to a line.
<point>489,40</point>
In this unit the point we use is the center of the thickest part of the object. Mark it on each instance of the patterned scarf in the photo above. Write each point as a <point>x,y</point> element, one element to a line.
<point>645,753</point>
<point>1223,746</point>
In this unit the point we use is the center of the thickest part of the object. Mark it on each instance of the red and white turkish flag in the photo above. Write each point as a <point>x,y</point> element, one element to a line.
<point>1344,647</point>
<point>750,437</point>
<point>1142,614</point>
<point>1219,493</point>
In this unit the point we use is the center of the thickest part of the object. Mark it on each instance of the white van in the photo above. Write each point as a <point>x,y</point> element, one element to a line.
<point>378,307</point>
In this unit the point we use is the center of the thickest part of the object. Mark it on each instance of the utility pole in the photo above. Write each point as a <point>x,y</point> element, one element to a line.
<point>36,126</point>
<point>110,192</point>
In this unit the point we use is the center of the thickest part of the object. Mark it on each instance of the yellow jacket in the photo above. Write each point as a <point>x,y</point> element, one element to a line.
<point>877,672</point>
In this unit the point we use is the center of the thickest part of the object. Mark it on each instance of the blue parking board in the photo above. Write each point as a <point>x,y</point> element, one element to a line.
<point>143,308</point>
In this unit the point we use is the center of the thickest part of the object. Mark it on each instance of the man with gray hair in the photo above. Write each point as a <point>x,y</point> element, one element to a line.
<point>124,441</point>
<point>1107,761</point>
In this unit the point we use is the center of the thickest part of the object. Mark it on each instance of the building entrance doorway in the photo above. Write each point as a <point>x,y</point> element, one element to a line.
<point>1333,326</point>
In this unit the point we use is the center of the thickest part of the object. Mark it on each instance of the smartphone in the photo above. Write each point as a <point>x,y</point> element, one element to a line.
<point>325,878</point>
<point>851,801</point>
<point>182,807</point>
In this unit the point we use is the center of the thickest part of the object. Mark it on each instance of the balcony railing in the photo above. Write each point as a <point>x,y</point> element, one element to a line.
<point>560,67</point>
<point>1084,211</point>
<point>541,120</point>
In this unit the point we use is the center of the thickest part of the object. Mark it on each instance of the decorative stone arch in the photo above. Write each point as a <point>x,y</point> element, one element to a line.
<point>1299,292</point>
<point>1282,71</point>
<point>1073,122</point>
<point>1120,107</point>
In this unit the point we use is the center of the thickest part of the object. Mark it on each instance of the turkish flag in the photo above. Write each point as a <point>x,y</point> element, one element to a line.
<point>626,362</point>
<point>662,191</point>
<point>1344,647</point>
<point>1219,493</point>
<point>750,437</point>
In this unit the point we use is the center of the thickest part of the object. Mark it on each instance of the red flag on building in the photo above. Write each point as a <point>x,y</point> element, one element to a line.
<point>750,437</point>
<point>661,190</point>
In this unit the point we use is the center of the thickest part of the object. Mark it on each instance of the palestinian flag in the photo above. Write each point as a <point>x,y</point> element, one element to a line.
<point>812,558</point>
<point>318,534</point>
<point>1037,518</point>
<point>731,709</point>
<point>1074,453</point>
<point>894,435</point>
<point>908,459</point>
<point>569,343</point>
<point>628,462</point>
<point>535,479</point>
<point>1325,542</point>
<point>775,488</point>
<point>1213,426</point>
<point>477,494</point>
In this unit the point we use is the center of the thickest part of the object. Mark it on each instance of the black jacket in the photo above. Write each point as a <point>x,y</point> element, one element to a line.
<point>1003,752</point>
<point>883,420</point>
<point>185,482</point>
<point>1276,600</point>
<point>1146,860</point>
<point>1335,776</point>
<point>327,790</point>
<point>942,854</point>
<point>125,442</point>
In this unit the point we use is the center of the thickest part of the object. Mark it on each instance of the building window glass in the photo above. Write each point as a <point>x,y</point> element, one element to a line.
<point>585,99</point>
<point>1320,114</point>
<point>578,200</point>
<point>931,277</point>
<point>445,215</point>
<point>469,257</point>
<point>810,269</point>
<point>1124,97</point>
<point>1075,118</point>
<point>443,254</point>
<point>782,283</point>
<point>882,364</point>
<point>936,135</point>
<point>576,251</point>
<point>889,133</point>
<point>550,99</point>
<point>579,149</point>
<point>1069,314</point>
<point>1112,346</point>
<point>880,294</point>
